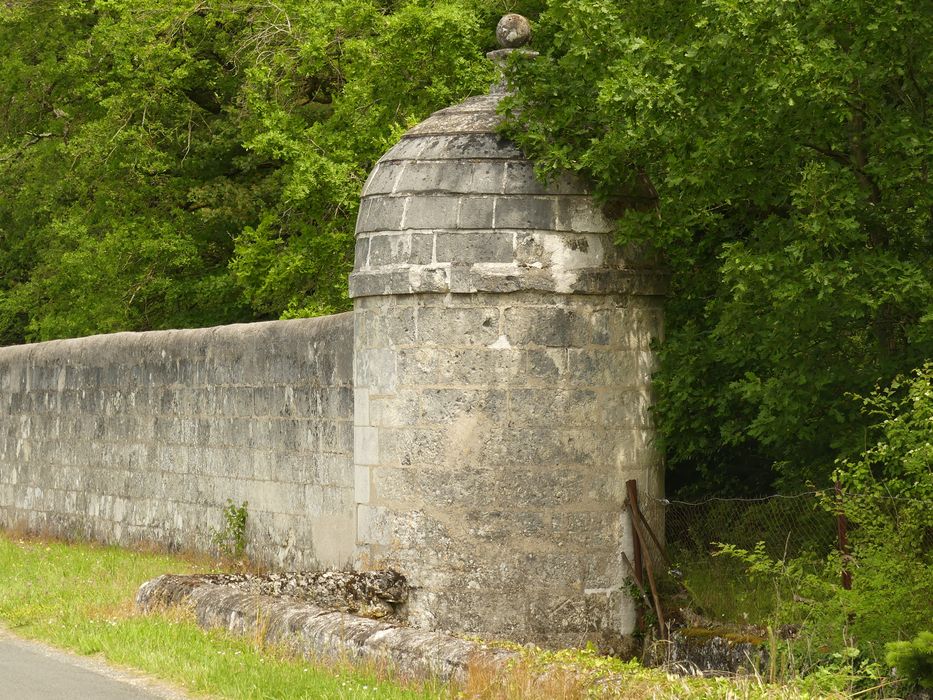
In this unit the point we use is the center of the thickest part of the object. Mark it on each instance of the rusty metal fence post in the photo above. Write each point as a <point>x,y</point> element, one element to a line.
<point>641,555</point>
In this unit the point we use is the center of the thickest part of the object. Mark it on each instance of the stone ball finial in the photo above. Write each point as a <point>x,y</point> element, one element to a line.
<point>513,31</point>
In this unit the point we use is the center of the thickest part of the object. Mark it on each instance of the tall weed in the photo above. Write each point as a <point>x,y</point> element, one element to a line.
<point>886,497</point>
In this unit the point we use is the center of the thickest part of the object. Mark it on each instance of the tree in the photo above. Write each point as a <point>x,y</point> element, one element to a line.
<point>114,145</point>
<point>333,85</point>
<point>778,155</point>
<point>168,164</point>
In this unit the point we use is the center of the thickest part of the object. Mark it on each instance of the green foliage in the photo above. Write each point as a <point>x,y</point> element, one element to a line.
<point>326,96</point>
<point>79,597</point>
<point>888,489</point>
<point>231,538</point>
<point>169,164</point>
<point>799,590</point>
<point>914,659</point>
<point>102,150</point>
<point>719,589</point>
<point>778,155</point>
<point>886,496</point>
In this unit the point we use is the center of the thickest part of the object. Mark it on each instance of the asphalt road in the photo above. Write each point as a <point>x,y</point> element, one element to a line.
<point>32,671</point>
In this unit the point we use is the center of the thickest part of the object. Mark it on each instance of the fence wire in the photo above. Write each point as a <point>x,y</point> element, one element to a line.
<point>789,526</point>
<point>803,527</point>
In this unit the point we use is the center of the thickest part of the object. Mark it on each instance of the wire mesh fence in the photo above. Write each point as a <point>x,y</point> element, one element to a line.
<point>789,526</point>
<point>797,552</point>
<point>719,588</point>
<point>805,527</point>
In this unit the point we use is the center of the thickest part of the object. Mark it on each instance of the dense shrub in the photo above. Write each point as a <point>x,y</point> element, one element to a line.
<point>914,659</point>
<point>886,498</point>
<point>778,154</point>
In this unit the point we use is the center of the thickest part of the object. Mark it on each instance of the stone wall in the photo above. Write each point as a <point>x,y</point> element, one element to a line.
<point>144,436</point>
<point>502,386</point>
<point>494,435</point>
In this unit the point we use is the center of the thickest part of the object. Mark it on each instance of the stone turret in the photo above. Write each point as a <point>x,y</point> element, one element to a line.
<point>502,367</point>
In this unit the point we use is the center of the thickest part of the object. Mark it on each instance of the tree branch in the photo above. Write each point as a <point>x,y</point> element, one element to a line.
<point>839,157</point>
<point>36,137</point>
<point>856,166</point>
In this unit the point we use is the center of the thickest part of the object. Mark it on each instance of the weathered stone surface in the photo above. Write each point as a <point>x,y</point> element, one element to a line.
<point>477,213</point>
<point>454,147</point>
<point>496,227</point>
<point>513,31</point>
<point>481,121</point>
<point>372,594</point>
<point>478,246</point>
<point>524,413</point>
<point>499,436</point>
<point>144,436</point>
<point>381,214</point>
<point>314,632</point>
<point>524,212</point>
<point>710,651</point>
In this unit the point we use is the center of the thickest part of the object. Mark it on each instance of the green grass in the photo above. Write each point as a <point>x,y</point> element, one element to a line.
<point>79,597</point>
<point>721,590</point>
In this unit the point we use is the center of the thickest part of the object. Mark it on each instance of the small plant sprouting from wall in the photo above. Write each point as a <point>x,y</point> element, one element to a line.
<point>231,538</point>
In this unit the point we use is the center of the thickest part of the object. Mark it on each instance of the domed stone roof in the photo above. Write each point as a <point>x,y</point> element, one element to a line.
<point>455,207</point>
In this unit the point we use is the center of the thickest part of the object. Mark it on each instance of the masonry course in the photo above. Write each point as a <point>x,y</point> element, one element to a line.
<point>504,347</point>
<point>144,436</point>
